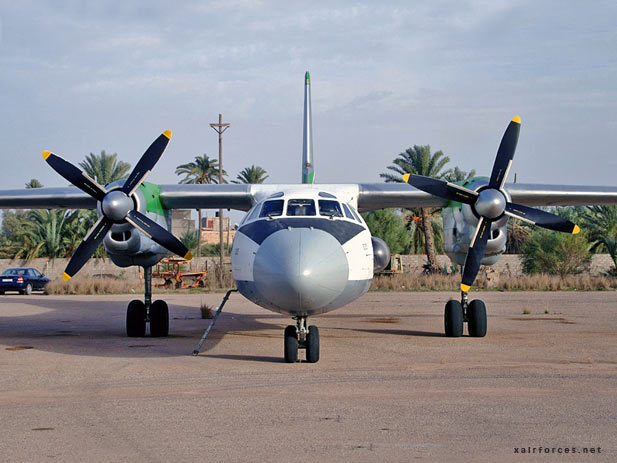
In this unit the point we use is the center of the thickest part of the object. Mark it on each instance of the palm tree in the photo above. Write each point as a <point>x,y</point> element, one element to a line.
<point>419,160</point>
<point>105,168</point>
<point>78,222</point>
<point>458,175</point>
<point>45,232</point>
<point>253,174</point>
<point>601,223</point>
<point>202,170</point>
<point>34,183</point>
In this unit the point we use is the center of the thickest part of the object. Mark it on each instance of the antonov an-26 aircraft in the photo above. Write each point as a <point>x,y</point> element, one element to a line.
<point>303,249</point>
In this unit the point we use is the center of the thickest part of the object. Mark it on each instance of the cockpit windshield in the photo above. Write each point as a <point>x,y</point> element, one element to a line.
<point>272,208</point>
<point>330,208</point>
<point>296,207</point>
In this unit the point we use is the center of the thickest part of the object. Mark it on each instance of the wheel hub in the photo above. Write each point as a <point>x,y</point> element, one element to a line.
<point>116,205</point>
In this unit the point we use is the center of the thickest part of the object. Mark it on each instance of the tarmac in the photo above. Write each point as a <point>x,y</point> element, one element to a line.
<point>389,386</point>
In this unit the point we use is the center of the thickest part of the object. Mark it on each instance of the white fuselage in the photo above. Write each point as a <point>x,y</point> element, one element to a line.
<point>302,253</point>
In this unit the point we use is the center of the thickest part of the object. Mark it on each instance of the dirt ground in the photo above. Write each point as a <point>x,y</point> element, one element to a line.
<point>388,387</point>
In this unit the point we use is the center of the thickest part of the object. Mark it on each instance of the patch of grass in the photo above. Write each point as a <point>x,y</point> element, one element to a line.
<point>94,286</point>
<point>207,311</point>
<point>526,312</point>
<point>538,282</point>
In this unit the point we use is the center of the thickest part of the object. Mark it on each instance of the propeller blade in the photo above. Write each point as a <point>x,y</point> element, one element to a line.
<point>158,234</point>
<point>440,188</point>
<point>87,247</point>
<point>75,175</point>
<point>505,154</point>
<point>541,218</point>
<point>146,163</point>
<point>475,253</point>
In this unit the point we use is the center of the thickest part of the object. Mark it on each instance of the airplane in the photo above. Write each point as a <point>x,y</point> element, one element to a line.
<point>303,249</point>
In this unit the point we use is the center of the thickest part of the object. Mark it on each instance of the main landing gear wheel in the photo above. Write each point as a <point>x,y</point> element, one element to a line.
<point>453,319</point>
<point>159,319</point>
<point>291,344</point>
<point>136,319</point>
<point>476,319</point>
<point>312,344</point>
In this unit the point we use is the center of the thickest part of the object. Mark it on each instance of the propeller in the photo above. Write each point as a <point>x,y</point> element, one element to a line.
<point>490,203</point>
<point>117,206</point>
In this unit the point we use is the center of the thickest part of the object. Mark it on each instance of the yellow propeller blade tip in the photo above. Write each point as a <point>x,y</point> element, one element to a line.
<point>576,230</point>
<point>465,288</point>
<point>167,133</point>
<point>188,256</point>
<point>406,178</point>
<point>46,154</point>
<point>516,119</point>
<point>66,277</point>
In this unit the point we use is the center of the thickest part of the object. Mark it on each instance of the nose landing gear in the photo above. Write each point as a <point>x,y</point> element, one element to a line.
<point>139,313</point>
<point>301,337</point>
<point>456,313</point>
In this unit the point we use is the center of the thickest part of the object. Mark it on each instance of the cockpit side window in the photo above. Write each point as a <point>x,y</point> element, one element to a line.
<point>348,213</point>
<point>272,208</point>
<point>252,214</point>
<point>355,214</point>
<point>330,208</point>
<point>296,207</point>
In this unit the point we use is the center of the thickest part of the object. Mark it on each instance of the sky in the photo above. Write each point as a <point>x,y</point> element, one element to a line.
<point>85,76</point>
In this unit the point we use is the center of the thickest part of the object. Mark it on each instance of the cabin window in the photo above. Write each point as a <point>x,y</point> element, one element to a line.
<point>296,207</point>
<point>348,213</point>
<point>330,208</point>
<point>272,208</point>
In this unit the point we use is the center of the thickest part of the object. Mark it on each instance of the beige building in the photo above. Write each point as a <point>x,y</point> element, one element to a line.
<point>181,222</point>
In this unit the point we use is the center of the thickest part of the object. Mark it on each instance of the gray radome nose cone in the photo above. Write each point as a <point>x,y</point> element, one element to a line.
<point>116,205</point>
<point>300,269</point>
<point>491,203</point>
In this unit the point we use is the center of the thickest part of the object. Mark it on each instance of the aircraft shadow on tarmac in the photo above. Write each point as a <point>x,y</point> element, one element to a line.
<point>75,327</point>
<point>97,328</point>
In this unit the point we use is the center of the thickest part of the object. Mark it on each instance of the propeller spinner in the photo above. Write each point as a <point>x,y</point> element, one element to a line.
<point>490,203</point>
<point>117,206</point>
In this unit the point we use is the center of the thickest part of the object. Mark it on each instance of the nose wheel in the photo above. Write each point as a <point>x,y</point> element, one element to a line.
<point>139,313</point>
<point>457,313</point>
<point>301,337</point>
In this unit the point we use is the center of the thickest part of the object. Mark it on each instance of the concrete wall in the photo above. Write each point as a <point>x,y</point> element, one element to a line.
<point>508,264</point>
<point>54,269</point>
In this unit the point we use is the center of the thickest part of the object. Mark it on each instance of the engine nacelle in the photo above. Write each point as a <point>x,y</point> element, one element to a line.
<point>381,254</point>
<point>459,226</point>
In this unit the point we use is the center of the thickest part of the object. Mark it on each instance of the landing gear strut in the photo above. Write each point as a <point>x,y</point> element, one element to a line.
<point>139,313</point>
<point>301,337</point>
<point>456,313</point>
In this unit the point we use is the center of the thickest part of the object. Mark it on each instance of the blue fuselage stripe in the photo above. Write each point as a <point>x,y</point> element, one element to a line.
<point>342,230</point>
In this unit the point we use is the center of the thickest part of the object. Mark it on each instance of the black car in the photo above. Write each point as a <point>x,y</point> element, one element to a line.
<point>23,280</point>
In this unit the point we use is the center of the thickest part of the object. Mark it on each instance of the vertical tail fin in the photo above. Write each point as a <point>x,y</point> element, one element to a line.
<point>308,172</point>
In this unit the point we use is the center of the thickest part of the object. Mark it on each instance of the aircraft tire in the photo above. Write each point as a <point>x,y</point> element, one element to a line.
<point>476,319</point>
<point>291,344</point>
<point>453,319</point>
<point>136,319</point>
<point>312,344</point>
<point>159,319</point>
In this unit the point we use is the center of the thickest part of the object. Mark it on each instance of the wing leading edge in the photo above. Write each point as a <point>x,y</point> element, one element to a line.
<point>367,196</point>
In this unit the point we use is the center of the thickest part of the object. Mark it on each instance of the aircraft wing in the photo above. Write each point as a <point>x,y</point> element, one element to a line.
<point>367,196</point>
<point>383,195</point>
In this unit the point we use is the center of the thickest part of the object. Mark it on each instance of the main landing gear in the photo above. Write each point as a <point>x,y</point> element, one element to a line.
<point>456,313</point>
<point>139,313</point>
<point>301,337</point>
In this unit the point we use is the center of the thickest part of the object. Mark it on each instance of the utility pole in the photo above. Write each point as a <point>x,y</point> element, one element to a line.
<point>220,127</point>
